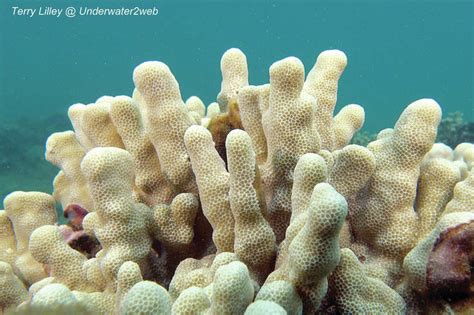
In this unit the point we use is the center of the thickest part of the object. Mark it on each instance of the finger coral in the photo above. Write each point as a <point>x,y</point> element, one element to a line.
<point>26,212</point>
<point>255,204</point>
<point>12,290</point>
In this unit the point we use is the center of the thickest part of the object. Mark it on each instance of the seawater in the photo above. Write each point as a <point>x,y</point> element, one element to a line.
<point>398,51</point>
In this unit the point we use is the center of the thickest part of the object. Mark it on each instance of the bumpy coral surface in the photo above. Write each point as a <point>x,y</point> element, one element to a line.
<point>254,204</point>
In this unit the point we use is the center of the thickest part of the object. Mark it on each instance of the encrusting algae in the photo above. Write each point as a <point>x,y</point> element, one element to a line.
<point>256,205</point>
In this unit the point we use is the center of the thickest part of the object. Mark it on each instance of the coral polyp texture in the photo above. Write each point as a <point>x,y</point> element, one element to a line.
<point>254,204</point>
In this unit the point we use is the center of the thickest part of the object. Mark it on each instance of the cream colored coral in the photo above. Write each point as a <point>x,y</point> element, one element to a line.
<point>229,287</point>
<point>397,188</point>
<point>254,239</point>
<point>98,127</point>
<point>64,151</point>
<point>7,239</point>
<point>128,275</point>
<point>346,123</point>
<point>65,264</point>
<point>199,273</point>
<point>93,273</point>
<point>105,99</point>
<point>439,150</point>
<point>191,272</point>
<point>462,156</point>
<point>282,262</point>
<point>27,211</point>
<point>53,296</point>
<point>35,287</point>
<point>146,297</point>
<point>465,152</point>
<point>384,216</point>
<point>310,170</point>
<point>12,290</point>
<point>311,249</point>
<point>356,293</point>
<point>174,224</point>
<point>264,307</point>
<point>120,224</point>
<point>463,196</point>
<point>152,187</point>
<point>212,110</point>
<point>251,116</point>
<point>109,300</point>
<point>282,293</point>
<point>314,252</point>
<point>195,104</point>
<point>385,133</point>
<point>97,302</point>
<point>232,289</point>
<point>166,121</point>
<point>234,76</point>
<point>352,169</point>
<point>437,179</point>
<point>415,262</point>
<point>194,118</point>
<point>62,189</point>
<point>56,298</point>
<point>255,243</point>
<point>264,97</point>
<point>75,113</point>
<point>191,301</point>
<point>289,128</point>
<point>322,83</point>
<point>213,183</point>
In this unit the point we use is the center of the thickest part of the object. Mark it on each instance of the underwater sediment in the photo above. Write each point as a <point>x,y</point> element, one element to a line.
<point>255,204</point>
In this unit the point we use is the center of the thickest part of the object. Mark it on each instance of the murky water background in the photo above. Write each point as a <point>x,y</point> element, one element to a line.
<point>398,52</point>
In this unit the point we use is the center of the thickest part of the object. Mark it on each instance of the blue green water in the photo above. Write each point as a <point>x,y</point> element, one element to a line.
<point>398,51</point>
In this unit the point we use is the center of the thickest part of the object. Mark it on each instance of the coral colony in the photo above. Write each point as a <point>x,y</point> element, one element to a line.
<point>255,205</point>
